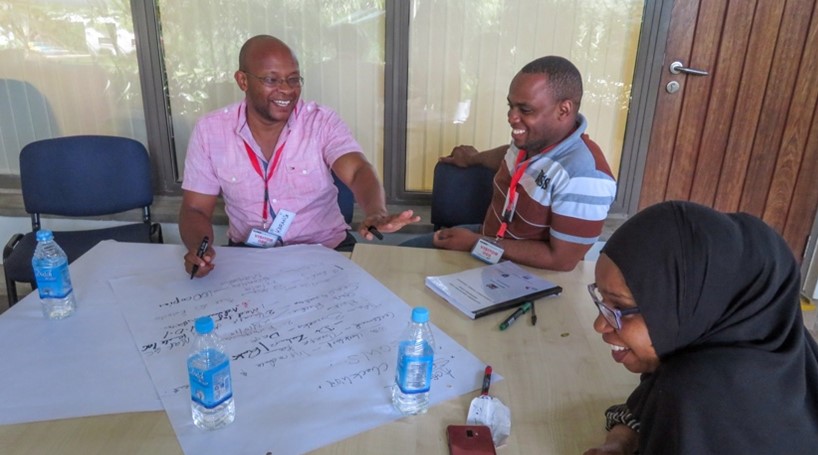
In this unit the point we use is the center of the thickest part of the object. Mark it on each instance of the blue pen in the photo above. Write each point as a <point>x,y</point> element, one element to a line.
<point>523,309</point>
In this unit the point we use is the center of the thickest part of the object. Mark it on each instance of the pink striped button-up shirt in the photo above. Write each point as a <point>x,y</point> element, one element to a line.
<point>315,136</point>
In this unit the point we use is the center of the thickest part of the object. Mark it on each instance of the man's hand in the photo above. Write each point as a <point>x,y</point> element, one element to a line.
<point>205,263</point>
<point>456,238</point>
<point>386,223</point>
<point>195,217</point>
<point>461,156</point>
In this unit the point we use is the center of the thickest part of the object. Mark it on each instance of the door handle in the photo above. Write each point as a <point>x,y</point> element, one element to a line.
<point>679,67</point>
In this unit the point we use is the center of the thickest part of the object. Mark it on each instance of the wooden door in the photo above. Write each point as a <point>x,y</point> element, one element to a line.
<point>745,137</point>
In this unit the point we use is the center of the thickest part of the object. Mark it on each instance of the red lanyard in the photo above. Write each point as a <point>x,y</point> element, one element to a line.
<point>511,201</point>
<point>270,170</point>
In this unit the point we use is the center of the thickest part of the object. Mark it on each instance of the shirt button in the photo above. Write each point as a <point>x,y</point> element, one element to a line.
<point>233,179</point>
<point>303,171</point>
<point>275,200</point>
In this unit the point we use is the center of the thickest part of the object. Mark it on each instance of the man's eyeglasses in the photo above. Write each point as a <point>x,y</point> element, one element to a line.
<point>272,82</point>
<point>612,315</point>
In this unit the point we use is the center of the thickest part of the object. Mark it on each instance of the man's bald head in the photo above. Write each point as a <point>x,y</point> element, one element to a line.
<point>260,43</point>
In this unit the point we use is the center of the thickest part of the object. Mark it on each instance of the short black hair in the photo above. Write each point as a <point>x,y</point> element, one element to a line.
<point>563,77</point>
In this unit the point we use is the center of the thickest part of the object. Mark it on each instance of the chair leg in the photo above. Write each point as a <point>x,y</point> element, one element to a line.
<point>11,286</point>
<point>11,289</point>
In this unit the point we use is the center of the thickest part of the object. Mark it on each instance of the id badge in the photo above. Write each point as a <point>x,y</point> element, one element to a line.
<point>262,239</point>
<point>487,251</point>
<point>281,223</point>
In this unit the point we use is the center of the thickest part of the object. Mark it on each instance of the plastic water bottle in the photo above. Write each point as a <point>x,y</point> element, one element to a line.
<point>413,375</point>
<point>211,386</point>
<point>53,281</point>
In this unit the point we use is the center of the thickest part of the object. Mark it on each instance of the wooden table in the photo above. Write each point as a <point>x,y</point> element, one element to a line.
<point>558,376</point>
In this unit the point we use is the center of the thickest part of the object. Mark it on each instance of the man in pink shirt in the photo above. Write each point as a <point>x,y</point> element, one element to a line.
<point>270,156</point>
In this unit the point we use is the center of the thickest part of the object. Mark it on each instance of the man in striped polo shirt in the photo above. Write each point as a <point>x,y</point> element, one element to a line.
<point>553,187</point>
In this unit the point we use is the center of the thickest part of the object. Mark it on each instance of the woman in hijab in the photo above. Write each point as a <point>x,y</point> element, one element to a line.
<point>705,306</point>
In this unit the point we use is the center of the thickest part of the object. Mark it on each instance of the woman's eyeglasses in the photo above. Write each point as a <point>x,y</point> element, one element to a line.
<point>612,315</point>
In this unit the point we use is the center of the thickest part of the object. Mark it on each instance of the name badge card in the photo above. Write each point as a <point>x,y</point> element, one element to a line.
<point>281,223</point>
<point>261,239</point>
<point>487,251</point>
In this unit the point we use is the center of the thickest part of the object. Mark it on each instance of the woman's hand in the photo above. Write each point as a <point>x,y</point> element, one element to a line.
<point>621,440</point>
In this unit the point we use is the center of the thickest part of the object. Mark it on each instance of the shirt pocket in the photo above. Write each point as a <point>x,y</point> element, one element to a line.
<point>305,176</point>
<point>240,184</point>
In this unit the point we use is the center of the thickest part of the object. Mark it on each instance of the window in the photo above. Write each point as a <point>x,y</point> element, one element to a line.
<point>463,55</point>
<point>434,76</point>
<point>340,46</point>
<point>66,68</point>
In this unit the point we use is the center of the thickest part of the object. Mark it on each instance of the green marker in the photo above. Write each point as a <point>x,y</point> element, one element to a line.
<point>523,309</point>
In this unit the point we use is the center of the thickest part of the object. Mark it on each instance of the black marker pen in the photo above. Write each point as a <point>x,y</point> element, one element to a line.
<point>200,254</point>
<point>375,232</point>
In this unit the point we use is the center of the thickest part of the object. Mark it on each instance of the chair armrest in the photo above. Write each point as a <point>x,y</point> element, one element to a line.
<point>13,241</point>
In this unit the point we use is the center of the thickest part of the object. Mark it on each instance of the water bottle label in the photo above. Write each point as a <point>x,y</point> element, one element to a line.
<point>53,282</point>
<point>414,374</point>
<point>212,387</point>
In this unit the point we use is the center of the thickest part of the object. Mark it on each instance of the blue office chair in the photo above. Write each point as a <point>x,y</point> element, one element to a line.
<point>460,195</point>
<point>80,176</point>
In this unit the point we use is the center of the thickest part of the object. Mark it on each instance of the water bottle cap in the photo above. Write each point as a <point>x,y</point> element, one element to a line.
<point>44,234</point>
<point>204,325</point>
<point>420,315</point>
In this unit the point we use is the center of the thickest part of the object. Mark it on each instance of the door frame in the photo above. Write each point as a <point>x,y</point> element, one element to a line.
<point>650,55</point>
<point>809,263</point>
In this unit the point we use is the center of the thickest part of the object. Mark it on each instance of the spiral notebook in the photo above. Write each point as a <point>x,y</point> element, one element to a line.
<point>491,288</point>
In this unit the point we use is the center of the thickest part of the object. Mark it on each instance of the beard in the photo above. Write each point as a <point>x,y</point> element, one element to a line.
<point>534,147</point>
<point>269,112</point>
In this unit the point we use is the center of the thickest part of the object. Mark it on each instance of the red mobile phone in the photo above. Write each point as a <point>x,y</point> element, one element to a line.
<point>470,440</point>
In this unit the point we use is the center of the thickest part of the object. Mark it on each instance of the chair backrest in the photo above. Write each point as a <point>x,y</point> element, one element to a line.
<point>346,200</point>
<point>460,195</point>
<point>85,176</point>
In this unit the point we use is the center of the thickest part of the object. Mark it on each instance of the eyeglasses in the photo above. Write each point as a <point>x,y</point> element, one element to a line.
<point>612,315</point>
<point>272,82</point>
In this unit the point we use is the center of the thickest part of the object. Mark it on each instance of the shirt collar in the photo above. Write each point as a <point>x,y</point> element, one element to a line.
<point>243,129</point>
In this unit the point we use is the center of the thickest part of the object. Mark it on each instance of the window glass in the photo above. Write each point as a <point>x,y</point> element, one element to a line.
<point>339,44</point>
<point>66,68</point>
<point>70,67</point>
<point>463,55</point>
